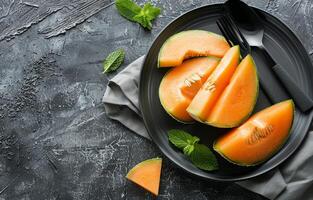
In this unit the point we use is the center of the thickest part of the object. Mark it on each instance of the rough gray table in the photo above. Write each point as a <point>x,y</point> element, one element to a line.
<point>55,140</point>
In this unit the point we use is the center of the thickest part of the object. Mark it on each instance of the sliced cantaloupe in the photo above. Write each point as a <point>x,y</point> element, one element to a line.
<point>147,175</point>
<point>181,84</point>
<point>203,102</point>
<point>260,137</point>
<point>192,43</point>
<point>238,99</point>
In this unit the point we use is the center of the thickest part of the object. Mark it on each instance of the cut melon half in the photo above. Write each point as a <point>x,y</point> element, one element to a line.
<point>181,84</point>
<point>238,99</point>
<point>203,102</point>
<point>260,137</point>
<point>147,175</point>
<point>191,43</point>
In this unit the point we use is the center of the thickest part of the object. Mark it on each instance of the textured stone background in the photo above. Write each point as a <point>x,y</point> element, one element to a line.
<point>55,140</point>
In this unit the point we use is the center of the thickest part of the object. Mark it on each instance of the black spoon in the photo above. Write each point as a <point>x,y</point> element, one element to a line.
<point>252,31</point>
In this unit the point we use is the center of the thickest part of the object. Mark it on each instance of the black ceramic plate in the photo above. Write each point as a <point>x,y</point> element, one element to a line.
<point>285,48</point>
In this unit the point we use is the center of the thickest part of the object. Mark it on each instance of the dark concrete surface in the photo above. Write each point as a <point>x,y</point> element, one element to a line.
<point>55,139</point>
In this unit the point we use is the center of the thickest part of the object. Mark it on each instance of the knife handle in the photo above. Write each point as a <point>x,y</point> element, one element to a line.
<point>273,91</point>
<point>302,100</point>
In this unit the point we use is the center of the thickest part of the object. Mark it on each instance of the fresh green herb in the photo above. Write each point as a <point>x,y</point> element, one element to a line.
<point>146,15</point>
<point>133,12</point>
<point>113,61</point>
<point>181,139</point>
<point>127,8</point>
<point>203,158</point>
<point>199,154</point>
<point>188,149</point>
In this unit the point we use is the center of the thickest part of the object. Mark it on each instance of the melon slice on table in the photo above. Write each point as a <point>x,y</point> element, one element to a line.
<point>181,84</point>
<point>203,102</point>
<point>239,97</point>
<point>260,137</point>
<point>191,43</point>
<point>147,174</point>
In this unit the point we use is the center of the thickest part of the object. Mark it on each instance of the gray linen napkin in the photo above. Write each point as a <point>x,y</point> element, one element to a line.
<point>292,180</point>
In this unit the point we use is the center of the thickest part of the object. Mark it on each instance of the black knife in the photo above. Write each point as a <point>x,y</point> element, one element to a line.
<point>251,28</point>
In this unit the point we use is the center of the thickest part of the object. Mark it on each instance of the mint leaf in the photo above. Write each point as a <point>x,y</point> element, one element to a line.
<point>150,11</point>
<point>181,139</point>
<point>200,155</point>
<point>113,61</point>
<point>146,15</point>
<point>203,158</point>
<point>188,149</point>
<point>127,8</point>
<point>133,12</point>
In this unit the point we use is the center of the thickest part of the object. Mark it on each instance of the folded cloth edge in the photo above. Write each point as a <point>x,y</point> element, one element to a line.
<point>262,184</point>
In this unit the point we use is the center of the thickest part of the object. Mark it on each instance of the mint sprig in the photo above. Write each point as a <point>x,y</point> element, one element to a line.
<point>200,155</point>
<point>127,8</point>
<point>113,61</point>
<point>133,12</point>
<point>181,139</point>
<point>203,158</point>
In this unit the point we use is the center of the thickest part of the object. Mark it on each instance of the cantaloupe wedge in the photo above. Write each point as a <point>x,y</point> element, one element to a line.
<point>147,175</point>
<point>260,137</point>
<point>191,43</point>
<point>181,84</point>
<point>202,104</point>
<point>239,97</point>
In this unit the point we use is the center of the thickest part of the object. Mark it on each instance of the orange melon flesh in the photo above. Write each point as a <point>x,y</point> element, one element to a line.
<point>239,97</point>
<point>205,99</point>
<point>147,175</point>
<point>258,138</point>
<point>192,43</point>
<point>181,84</point>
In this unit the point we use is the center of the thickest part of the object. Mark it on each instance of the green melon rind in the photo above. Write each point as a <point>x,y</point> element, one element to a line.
<point>269,156</point>
<point>167,111</point>
<point>157,159</point>
<point>252,107</point>
<point>177,35</point>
